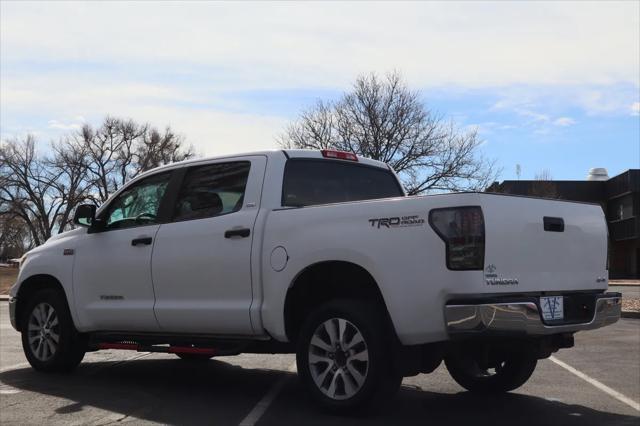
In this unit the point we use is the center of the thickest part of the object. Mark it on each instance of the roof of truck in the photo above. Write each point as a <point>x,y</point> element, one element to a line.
<point>289,153</point>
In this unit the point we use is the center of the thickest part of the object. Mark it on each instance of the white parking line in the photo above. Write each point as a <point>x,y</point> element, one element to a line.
<point>8,390</point>
<point>604,388</point>
<point>261,407</point>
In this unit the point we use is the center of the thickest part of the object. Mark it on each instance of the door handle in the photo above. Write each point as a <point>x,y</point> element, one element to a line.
<point>141,241</point>
<point>553,224</point>
<point>239,232</point>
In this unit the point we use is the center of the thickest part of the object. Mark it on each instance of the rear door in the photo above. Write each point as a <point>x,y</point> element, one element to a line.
<point>202,258</point>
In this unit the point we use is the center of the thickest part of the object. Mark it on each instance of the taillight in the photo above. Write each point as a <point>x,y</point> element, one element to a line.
<point>340,155</point>
<point>462,230</point>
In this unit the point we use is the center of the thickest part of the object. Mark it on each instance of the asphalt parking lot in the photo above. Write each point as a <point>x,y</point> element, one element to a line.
<point>596,383</point>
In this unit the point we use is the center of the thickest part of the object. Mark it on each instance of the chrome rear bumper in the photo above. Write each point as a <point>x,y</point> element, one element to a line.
<point>523,318</point>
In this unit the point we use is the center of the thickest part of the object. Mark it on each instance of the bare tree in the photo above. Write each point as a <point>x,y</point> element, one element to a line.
<point>40,193</point>
<point>119,150</point>
<point>70,163</point>
<point>383,119</point>
<point>14,238</point>
<point>28,188</point>
<point>543,185</point>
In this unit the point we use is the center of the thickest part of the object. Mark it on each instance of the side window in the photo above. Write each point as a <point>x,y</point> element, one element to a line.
<point>137,205</point>
<point>212,190</point>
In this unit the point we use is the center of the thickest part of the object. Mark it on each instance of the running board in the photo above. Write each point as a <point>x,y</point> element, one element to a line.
<point>161,349</point>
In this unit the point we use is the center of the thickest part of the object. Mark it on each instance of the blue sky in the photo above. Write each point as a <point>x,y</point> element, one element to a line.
<point>548,85</point>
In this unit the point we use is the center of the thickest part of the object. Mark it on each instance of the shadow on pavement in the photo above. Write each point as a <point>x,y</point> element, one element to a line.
<point>215,392</point>
<point>412,407</point>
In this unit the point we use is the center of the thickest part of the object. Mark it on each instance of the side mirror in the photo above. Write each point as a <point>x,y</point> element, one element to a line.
<point>85,215</point>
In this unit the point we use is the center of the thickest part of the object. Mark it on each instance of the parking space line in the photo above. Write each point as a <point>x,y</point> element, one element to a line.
<point>604,388</point>
<point>261,407</point>
<point>8,390</point>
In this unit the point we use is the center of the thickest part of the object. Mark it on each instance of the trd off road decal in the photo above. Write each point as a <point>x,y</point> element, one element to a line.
<point>397,222</point>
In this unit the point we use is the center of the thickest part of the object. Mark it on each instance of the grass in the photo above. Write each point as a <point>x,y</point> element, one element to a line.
<point>7,278</point>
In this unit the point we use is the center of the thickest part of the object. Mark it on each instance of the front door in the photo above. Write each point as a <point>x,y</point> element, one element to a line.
<point>202,258</point>
<point>112,268</point>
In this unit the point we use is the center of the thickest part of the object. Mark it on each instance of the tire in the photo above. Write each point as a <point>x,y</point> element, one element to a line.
<point>194,357</point>
<point>46,318</point>
<point>359,371</point>
<point>514,371</point>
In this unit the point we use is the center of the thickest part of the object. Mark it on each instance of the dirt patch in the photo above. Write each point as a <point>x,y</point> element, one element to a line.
<point>632,305</point>
<point>7,278</point>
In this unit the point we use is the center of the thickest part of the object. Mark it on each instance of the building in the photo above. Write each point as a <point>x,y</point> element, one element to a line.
<point>619,197</point>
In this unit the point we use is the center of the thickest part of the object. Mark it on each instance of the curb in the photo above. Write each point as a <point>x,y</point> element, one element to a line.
<point>4,297</point>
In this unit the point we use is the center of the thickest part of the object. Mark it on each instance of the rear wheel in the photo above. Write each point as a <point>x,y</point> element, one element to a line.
<point>344,356</point>
<point>49,339</point>
<point>506,373</point>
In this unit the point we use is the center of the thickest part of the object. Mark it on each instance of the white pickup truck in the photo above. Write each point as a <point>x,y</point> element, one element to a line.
<point>322,254</point>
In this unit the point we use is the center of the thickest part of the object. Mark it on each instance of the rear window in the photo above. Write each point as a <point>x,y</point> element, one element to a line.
<point>311,182</point>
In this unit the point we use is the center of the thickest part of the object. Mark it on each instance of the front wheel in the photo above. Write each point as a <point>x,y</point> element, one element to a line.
<point>344,356</point>
<point>505,374</point>
<point>49,338</point>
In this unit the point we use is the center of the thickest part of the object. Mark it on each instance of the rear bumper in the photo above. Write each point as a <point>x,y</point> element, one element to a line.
<point>523,318</point>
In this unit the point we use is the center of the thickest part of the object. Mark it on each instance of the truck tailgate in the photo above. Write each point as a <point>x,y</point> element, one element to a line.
<point>535,245</point>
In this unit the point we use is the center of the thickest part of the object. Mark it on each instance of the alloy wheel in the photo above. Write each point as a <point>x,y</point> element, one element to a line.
<point>338,358</point>
<point>43,331</point>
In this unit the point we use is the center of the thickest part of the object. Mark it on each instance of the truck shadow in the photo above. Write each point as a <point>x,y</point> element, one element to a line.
<point>215,392</point>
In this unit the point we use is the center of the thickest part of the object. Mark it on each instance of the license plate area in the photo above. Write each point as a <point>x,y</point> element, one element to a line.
<point>552,308</point>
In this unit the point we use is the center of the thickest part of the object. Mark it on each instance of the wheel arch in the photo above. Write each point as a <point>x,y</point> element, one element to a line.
<point>328,280</point>
<point>30,286</point>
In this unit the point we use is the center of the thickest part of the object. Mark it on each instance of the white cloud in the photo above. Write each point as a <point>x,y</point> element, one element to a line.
<point>564,121</point>
<point>326,44</point>
<point>527,106</point>
<point>211,130</point>
<point>635,108</point>
<point>214,132</point>
<point>605,101</point>
<point>489,127</point>
<point>534,116</point>
<point>169,63</point>
<point>55,124</point>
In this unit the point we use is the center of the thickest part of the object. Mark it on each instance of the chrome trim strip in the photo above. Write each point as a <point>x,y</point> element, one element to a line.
<point>522,318</point>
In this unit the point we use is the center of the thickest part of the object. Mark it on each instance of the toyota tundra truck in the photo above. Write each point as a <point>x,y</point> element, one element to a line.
<point>321,254</point>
